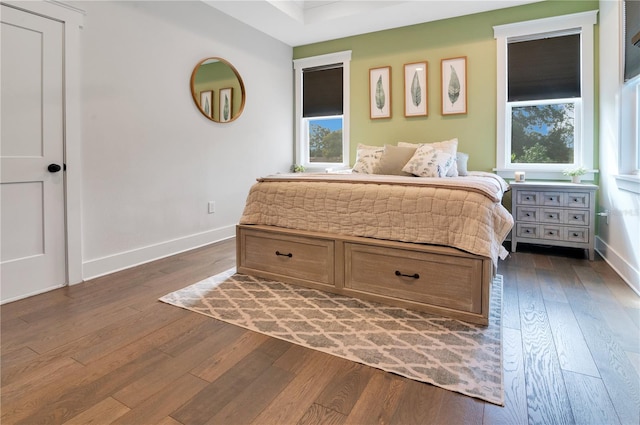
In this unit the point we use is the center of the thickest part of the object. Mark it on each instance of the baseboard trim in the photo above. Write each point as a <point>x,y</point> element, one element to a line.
<point>625,270</point>
<point>112,263</point>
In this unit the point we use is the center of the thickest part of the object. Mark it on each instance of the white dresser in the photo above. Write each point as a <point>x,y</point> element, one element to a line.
<point>553,213</point>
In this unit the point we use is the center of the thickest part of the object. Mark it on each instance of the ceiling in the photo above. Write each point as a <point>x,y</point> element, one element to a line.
<point>299,22</point>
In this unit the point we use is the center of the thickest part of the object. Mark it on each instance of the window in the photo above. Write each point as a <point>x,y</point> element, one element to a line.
<point>322,111</point>
<point>545,95</point>
<point>630,92</point>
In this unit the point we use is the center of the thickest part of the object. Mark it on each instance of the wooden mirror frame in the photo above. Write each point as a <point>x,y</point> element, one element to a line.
<point>196,96</point>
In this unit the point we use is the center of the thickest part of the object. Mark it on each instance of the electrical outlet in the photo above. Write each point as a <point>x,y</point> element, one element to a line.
<point>212,207</point>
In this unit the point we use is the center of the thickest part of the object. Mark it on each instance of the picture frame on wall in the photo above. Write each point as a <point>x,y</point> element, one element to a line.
<point>206,102</point>
<point>454,85</point>
<point>415,89</point>
<point>380,92</point>
<point>225,108</point>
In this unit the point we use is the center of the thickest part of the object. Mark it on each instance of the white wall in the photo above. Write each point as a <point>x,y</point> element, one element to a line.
<point>151,161</point>
<point>619,241</point>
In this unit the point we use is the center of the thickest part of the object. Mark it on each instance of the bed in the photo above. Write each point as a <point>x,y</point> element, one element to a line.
<point>430,244</point>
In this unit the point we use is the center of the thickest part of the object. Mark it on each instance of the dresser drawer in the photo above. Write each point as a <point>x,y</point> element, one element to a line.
<point>551,215</point>
<point>552,199</point>
<point>526,197</point>
<point>526,230</point>
<point>297,257</point>
<point>577,217</point>
<point>527,214</point>
<point>552,232</point>
<point>576,234</point>
<point>409,275</point>
<point>578,199</point>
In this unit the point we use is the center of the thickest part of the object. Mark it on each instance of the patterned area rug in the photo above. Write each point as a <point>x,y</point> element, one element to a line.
<point>444,352</point>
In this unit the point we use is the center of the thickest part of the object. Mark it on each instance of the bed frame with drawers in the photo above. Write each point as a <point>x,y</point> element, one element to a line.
<point>434,279</point>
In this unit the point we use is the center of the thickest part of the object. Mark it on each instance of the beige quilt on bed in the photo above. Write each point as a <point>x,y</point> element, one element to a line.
<point>461,212</point>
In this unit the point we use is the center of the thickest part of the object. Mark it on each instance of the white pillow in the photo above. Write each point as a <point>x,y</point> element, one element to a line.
<point>448,146</point>
<point>368,159</point>
<point>429,162</point>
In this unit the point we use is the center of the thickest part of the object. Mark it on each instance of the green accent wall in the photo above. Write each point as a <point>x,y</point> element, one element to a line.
<point>470,36</point>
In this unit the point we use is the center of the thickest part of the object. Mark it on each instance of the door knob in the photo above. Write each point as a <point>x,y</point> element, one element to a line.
<point>54,168</point>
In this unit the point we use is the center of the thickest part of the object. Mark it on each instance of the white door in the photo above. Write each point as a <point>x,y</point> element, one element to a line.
<point>32,208</point>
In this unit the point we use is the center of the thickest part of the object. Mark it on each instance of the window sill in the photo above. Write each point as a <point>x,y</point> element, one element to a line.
<point>628,182</point>
<point>543,174</point>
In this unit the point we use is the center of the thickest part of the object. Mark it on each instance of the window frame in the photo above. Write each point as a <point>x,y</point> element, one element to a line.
<point>301,124</point>
<point>577,23</point>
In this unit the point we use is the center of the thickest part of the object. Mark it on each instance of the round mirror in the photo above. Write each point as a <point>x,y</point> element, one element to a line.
<point>217,90</point>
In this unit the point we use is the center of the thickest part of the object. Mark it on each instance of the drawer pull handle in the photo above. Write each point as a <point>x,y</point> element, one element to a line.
<point>551,199</point>
<point>575,200</point>
<point>528,198</point>
<point>575,217</point>
<point>527,231</point>
<point>550,215</point>
<point>550,233</point>
<point>528,215</point>
<point>575,235</point>
<point>414,276</point>
<point>284,255</point>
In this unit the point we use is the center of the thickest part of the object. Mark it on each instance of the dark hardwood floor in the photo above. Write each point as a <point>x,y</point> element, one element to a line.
<point>107,351</point>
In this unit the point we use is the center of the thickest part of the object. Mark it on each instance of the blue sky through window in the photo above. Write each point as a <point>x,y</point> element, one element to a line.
<point>332,124</point>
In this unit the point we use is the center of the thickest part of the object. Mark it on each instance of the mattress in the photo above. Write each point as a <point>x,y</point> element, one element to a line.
<point>460,212</point>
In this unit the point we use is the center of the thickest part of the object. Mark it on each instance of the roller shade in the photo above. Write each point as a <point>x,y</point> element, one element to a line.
<point>546,68</point>
<point>322,91</point>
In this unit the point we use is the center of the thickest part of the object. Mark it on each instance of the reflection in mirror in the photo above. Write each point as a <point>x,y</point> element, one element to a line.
<point>217,90</point>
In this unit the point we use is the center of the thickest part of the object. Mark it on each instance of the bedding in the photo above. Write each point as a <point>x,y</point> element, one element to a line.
<point>460,212</point>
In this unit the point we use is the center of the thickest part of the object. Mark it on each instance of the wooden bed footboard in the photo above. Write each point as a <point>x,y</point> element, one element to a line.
<point>434,279</point>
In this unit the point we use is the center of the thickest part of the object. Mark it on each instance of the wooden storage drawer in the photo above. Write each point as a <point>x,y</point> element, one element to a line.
<point>417,276</point>
<point>578,199</point>
<point>527,214</point>
<point>287,255</point>
<point>551,215</point>
<point>552,232</point>
<point>577,217</point>
<point>525,230</point>
<point>525,197</point>
<point>576,234</point>
<point>552,199</point>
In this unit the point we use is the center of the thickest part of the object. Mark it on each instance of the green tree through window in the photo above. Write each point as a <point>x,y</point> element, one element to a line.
<point>324,145</point>
<point>543,134</point>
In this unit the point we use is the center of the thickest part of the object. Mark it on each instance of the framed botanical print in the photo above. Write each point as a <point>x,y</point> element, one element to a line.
<point>415,89</point>
<point>454,86</point>
<point>225,97</point>
<point>206,102</point>
<point>380,92</point>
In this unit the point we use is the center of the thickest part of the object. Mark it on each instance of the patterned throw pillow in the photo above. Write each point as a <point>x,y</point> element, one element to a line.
<point>429,162</point>
<point>368,159</point>
<point>448,146</point>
